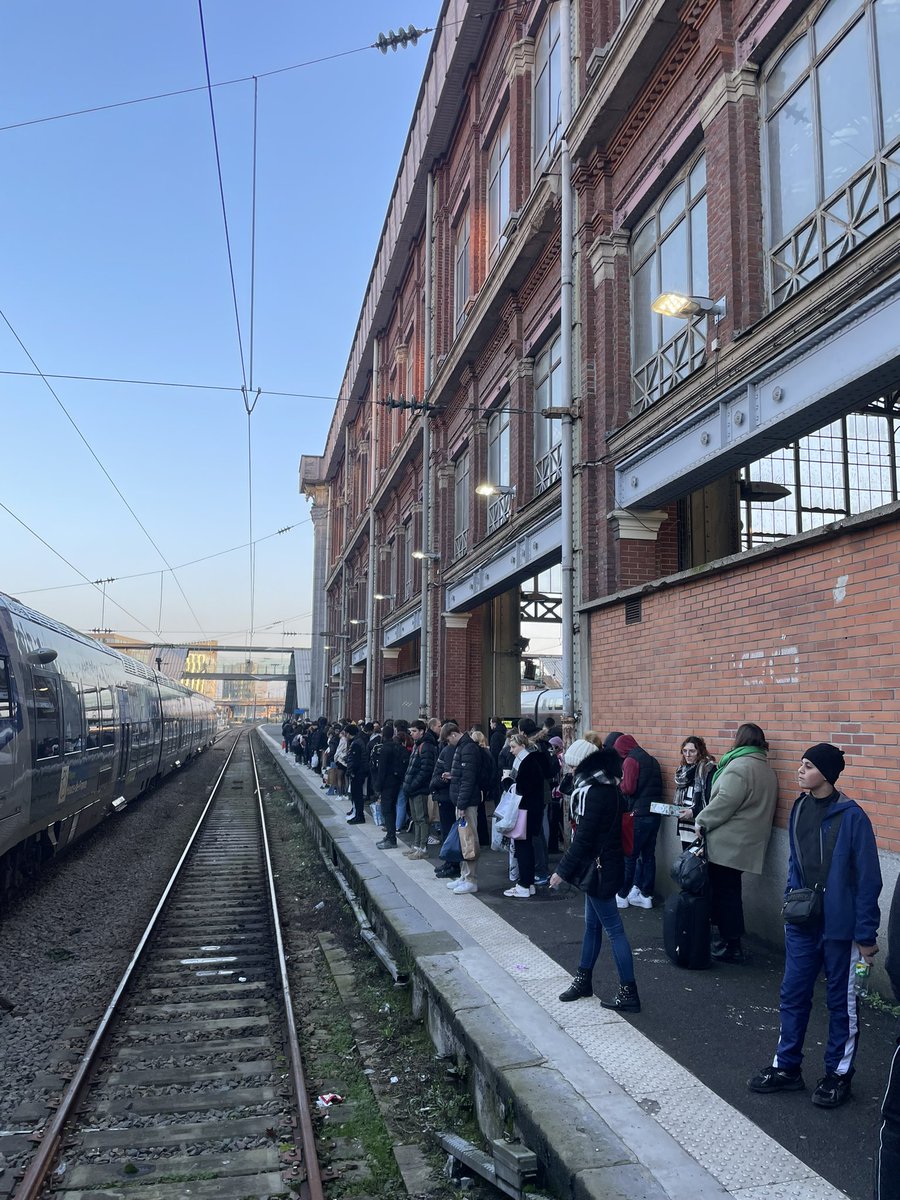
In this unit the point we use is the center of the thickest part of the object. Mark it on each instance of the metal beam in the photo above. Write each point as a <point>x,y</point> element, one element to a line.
<point>199,646</point>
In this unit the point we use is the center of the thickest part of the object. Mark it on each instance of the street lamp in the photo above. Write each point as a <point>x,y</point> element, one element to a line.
<point>495,489</point>
<point>384,596</point>
<point>426,555</point>
<point>674,304</point>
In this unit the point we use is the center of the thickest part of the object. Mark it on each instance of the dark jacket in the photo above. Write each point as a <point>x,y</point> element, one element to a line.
<point>498,741</point>
<point>357,756</point>
<point>892,965</point>
<point>854,878</point>
<point>465,773</point>
<point>529,782</point>
<point>421,765</point>
<point>641,775</point>
<point>391,766</point>
<point>598,833</point>
<point>440,788</point>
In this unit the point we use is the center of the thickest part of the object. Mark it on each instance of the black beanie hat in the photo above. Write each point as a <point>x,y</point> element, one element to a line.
<point>826,758</point>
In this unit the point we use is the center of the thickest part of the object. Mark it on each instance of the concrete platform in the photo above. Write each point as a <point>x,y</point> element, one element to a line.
<point>652,1106</point>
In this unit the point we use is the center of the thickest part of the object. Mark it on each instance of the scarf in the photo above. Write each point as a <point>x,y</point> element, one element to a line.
<point>740,752</point>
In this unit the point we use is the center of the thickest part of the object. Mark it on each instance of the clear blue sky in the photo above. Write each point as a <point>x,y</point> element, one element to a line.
<point>113,263</point>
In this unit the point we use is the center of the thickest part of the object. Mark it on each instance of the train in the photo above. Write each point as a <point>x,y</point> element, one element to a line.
<point>542,702</point>
<point>84,729</point>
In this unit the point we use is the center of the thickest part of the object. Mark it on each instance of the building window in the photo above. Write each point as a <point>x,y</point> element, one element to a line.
<point>669,254</point>
<point>547,433</point>
<point>410,365</point>
<point>498,192</point>
<point>409,563</point>
<point>831,139</point>
<point>547,90</point>
<point>461,506</point>
<point>498,467</point>
<point>461,271</point>
<point>849,466</point>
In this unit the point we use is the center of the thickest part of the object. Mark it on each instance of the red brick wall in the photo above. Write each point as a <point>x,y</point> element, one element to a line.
<point>785,641</point>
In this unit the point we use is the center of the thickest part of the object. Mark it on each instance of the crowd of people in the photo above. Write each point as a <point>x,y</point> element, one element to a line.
<point>600,803</point>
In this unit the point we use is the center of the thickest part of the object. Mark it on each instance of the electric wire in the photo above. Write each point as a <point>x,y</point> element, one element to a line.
<point>72,566</point>
<point>96,459</point>
<point>180,567</point>
<point>215,134</point>
<point>202,387</point>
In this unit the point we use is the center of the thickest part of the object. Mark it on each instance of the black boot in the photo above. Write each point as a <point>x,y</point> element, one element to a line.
<point>578,988</point>
<point>730,952</point>
<point>626,999</point>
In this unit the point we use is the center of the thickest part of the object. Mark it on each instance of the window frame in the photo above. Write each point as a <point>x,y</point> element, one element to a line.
<point>498,464</point>
<point>462,277</point>
<point>462,468</point>
<point>547,378</point>
<point>547,50</point>
<point>498,174</point>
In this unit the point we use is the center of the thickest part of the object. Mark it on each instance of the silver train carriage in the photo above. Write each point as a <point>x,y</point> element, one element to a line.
<point>83,728</point>
<point>542,702</point>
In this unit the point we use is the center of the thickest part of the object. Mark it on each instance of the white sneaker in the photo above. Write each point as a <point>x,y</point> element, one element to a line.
<point>518,892</point>
<point>621,901</point>
<point>640,901</point>
<point>633,895</point>
<point>433,841</point>
<point>454,883</point>
<point>465,888</point>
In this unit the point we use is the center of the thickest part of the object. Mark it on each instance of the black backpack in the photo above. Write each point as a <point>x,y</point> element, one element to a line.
<point>487,777</point>
<point>402,761</point>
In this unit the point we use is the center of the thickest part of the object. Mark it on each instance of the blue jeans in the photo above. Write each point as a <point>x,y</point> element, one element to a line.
<point>640,866</point>
<point>600,915</point>
<point>401,809</point>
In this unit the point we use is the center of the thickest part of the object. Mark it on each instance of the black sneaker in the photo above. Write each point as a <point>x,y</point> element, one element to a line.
<point>776,1079</point>
<point>832,1091</point>
<point>447,871</point>
<point>386,844</point>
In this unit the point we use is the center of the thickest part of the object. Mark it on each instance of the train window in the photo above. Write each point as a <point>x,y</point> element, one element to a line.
<point>107,718</point>
<point>92,718</point>
<point>73,718</point>
<point>6,704</point>
<point>44,714</point>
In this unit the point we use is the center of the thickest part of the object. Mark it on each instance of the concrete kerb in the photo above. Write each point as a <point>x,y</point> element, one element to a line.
<point>516,1092</point>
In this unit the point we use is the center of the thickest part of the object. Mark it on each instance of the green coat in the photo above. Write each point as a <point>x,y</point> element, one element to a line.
<point>738,819</point>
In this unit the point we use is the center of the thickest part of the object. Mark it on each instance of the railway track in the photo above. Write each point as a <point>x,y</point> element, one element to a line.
<point>192,1084</point>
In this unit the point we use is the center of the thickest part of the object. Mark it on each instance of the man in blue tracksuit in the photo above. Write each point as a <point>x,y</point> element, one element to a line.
<point>887,1170</point>
<point>841,935</point>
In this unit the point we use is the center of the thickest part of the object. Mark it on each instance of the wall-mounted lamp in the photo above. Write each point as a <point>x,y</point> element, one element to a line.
<point>762,491</point>
<point>495,489</point>
<point>674,304</point>
<point>356,621</point>
<point>384,596</point>
<point>424,554</point>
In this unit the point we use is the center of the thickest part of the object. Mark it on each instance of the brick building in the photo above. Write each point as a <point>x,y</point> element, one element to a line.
<point>735,524</point>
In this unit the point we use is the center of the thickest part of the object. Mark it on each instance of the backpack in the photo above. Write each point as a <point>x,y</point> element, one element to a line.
<point>402,762</point>
<point>374,756</point>
<point>487,771</point>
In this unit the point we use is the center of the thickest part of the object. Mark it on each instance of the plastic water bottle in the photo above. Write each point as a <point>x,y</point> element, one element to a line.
<point>861,978</point>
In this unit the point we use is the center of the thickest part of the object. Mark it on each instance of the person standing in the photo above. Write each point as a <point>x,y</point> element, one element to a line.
<point>465,796</point>
<point>391,767</point>
<point>693,781</point>
<point>528,778</point>
<point>417,781</point>
<point>642,786</point>
<point>597,808</point>
<point>356,770</point>
<point>840,932</point>
<point>887,1162</point>
<point>737,824</point>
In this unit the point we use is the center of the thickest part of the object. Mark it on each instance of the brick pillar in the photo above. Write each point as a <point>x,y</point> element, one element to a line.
<point>519,70</point>
<point>636,532</point>
<point>455,698</point>
<point>357,700</point>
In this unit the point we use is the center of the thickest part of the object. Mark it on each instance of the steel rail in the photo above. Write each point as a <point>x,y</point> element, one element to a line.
<point>38,1169</point>
<point>298,1079</point>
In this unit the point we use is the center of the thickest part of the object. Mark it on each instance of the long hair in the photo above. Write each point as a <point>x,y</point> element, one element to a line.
<point>749,734</point>
<point>702,752</point>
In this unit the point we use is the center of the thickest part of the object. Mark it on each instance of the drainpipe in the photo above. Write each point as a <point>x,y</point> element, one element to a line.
<point>566,311</point>
<point>371,648</point>
<point>425,632</point>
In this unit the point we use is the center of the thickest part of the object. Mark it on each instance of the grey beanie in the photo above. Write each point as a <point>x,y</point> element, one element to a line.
<point>578,752</point>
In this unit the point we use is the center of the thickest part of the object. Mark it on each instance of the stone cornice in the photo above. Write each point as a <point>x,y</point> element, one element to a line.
<point>520,59</point>
<point>603,253</point>
<point>729,89</point>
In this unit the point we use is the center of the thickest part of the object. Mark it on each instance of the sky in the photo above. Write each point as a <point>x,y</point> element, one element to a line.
<point>114,264</point>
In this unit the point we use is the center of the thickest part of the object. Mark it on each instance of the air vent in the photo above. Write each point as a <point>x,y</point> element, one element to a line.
<point>633,611</point>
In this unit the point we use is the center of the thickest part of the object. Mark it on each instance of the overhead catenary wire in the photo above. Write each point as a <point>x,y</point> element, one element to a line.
<point>161,383</point>
<point>97,460</point>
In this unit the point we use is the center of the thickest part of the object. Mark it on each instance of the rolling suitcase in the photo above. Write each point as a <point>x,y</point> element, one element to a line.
<point>686,930</point>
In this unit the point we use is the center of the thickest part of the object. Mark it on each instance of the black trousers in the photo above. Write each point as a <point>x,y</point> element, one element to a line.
<point>389,809</point>
<point>887,1162</point>
<point>726,905</point>
<point>356,795</point>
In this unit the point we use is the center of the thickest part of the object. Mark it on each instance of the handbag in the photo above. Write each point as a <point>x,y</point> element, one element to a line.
<point>314,761</point>
<point>591,878</point>
<point>451,851</point>
<point>628,833</point>
<point>468,839</point>
<point>520,829</point>
<point>690,870</point>
<point>804,907</point>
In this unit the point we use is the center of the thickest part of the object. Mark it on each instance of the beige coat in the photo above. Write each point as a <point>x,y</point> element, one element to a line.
<point>738,819</point>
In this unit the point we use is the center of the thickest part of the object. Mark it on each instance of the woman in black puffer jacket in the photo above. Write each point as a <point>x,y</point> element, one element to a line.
<point>597,806</point>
